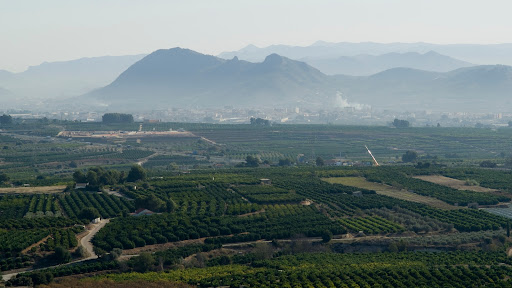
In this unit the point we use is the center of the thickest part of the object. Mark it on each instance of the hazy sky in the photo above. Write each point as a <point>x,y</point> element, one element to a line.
<point>33,31</point>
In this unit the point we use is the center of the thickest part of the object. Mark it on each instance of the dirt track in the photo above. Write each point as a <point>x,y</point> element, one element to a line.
<point>86,240</point>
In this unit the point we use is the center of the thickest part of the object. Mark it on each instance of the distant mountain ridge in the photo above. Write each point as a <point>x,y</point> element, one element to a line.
<point>478,54</point>
<point>355,58</point>
<point>183,78</point>
<point>66,78</point>
<point>472,89</point>
<point>364,65</point>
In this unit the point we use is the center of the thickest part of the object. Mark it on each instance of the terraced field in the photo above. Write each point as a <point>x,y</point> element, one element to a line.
<point>390,191</point>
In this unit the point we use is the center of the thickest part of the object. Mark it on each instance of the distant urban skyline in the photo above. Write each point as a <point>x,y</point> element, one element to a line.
<point>32,31</point>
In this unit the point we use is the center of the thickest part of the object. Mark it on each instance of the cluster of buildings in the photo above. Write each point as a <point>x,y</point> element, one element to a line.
<point>288,115</point>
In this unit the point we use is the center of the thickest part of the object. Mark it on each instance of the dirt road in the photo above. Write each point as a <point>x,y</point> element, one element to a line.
<point>86,240</point>
<point>145,159</point>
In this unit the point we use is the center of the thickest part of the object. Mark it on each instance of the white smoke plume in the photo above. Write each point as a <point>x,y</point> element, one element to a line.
<point>341,102</point>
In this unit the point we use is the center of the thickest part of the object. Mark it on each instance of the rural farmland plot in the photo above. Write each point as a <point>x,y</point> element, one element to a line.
<point>505,212</point>
<point>390,191</point>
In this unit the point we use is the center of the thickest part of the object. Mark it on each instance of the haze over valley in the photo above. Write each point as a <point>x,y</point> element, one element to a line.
<point>323,76</point>
<point>352,65</point>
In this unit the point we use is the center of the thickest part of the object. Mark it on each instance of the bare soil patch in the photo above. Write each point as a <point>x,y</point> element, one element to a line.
<point>24,251</point>
<point>33,190</point>
<point>390,191</point>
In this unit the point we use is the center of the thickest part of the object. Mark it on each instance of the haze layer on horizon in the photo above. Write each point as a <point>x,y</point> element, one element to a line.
<point>34,31</point>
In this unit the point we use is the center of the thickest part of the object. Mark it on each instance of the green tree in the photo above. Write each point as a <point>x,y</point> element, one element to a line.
<point>170,205</point>
<point>326,236</point>
<point>80,252</point>
<point>319,161</point>
<point>3,177</point>
<point>259,122</point>
<point>251,161</point>
<point>62,255</point>
<point>79,176</point>
<point>136,173</point>
<point>20,280</point>
<point>115,253</point>
<point>89,213</point>
<point>144,262</point>
<point>40,277</point>
<point>409,156</point>
<point>93,180</point>
<point>393,247</point>
<point>150,202</point>
<point>110,177</point>
<point>401,123</point>
<point>263,251</point>
<point>285,162</point>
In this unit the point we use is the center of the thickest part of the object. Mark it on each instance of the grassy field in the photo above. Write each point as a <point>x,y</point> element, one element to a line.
<point>390,191</point>
<point>453,183</point>
<point>33,190</point>
<point>460,184</point>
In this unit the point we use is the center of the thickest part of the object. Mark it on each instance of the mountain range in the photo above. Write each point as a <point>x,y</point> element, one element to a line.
<point>365,64</point>
<point>479,54</point>
<point>184,78</point>
<point>473,89</point>
<point>396,80</point>
<point>66,78</point>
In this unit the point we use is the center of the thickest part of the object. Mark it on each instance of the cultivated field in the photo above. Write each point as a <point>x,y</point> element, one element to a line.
<point>33,190</point>
<point>390,191</point>
<point>505,212</point>
<point>453,183</point>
